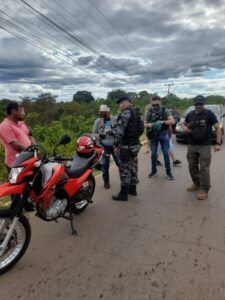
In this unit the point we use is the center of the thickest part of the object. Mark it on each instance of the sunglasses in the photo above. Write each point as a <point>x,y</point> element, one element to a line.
<point>199,104</point>
<point>155,105</point>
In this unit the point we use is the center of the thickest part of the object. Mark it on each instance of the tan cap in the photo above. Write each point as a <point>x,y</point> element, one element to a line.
<point>104,107</point>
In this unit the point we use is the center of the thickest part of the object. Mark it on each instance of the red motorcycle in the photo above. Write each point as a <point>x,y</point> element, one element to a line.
<point>59,187</point>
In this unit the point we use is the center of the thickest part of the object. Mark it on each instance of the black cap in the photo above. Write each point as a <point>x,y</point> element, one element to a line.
<point>199,99</point>
<point>124,98</point>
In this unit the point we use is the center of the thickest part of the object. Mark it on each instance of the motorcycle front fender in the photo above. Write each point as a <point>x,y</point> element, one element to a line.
<point>8,188</point>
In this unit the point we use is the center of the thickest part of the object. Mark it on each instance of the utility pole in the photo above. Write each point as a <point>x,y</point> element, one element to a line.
<point>169,85</point>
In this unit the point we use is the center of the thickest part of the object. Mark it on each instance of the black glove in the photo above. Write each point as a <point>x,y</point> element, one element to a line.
<point>102,135</point>
<point>109,133</point>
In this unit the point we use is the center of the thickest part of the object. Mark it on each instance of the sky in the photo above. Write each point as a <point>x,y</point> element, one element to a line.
<point>67,46</point>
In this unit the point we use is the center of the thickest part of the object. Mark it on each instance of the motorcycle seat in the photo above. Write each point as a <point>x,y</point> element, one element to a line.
<point>79,165</point>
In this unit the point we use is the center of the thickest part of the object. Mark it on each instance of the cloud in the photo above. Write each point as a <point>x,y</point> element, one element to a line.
<point>111,44</point>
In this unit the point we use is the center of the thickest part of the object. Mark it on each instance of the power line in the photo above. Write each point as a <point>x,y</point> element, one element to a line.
<point>77,40</point>
<point>115,28</point>
<point>60,28</point>
<point>23,26</point>
<point>36,45</point>
<point>97,21</point>
<point>83,25</point>
<point>36,30</point>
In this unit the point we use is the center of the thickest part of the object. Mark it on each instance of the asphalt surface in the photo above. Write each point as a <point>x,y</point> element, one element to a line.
<point>162,244</point>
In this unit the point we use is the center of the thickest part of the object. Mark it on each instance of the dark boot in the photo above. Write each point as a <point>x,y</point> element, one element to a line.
<point>122,196</point>
<point>132,190</point>
<point>107,185</point>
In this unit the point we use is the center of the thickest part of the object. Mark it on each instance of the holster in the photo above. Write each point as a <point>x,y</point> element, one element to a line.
<point>134,149</point>
<point>124,152</point>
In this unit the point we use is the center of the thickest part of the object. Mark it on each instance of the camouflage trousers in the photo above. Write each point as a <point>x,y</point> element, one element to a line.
<point>128,168</point>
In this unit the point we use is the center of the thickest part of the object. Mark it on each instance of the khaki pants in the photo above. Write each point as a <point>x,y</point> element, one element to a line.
<point>199,159</point>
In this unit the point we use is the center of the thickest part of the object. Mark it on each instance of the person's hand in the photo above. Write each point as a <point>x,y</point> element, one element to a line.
<point>186,129</point>
<point>148,125</point>
<point>160,122</point>
<point>116,149</point>
<point>216,148</point>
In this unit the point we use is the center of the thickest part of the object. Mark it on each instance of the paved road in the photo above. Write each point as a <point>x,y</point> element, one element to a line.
<point>163,244</point>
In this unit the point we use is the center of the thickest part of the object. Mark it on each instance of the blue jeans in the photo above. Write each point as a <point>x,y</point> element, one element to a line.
<point>108,151</point>
<point>163,139</point>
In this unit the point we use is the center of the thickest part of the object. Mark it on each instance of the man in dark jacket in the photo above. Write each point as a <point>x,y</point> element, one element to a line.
<point>128,144</point>
<point>198,125</point>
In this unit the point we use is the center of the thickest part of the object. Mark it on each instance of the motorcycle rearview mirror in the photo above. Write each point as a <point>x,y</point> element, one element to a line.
<point>64,139</point>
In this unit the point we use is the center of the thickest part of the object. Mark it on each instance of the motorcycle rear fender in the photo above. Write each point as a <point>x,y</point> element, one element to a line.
<point>8,188</point>
<point>73,184</point>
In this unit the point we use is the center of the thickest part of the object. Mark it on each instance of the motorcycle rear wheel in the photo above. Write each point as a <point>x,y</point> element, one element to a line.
<point>78,206</point>
<point>18,242</point>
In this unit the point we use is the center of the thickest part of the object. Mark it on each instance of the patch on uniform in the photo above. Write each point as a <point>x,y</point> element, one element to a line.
<point>203,122</point>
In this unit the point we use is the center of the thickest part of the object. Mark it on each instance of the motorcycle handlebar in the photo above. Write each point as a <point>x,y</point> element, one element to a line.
<point>35,148</point>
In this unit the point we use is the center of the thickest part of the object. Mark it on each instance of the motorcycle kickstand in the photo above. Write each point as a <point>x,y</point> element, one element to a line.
<point>74,232</point>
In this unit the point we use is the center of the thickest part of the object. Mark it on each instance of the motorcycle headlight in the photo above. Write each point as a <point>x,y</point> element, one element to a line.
<point>14,174</point>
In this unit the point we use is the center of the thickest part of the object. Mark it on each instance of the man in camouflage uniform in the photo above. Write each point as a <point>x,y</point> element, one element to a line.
<point>128,145</point>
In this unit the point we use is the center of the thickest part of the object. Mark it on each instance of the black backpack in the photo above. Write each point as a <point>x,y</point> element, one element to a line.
<point>140,122</point>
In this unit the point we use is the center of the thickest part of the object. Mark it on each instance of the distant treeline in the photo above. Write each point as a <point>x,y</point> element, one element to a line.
<point>50,118</point>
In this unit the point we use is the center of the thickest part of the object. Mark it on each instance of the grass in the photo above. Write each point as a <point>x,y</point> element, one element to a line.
<point>5,202</point>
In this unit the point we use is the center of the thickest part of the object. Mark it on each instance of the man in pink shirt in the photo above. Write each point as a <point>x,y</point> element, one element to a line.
<point>14,135</point>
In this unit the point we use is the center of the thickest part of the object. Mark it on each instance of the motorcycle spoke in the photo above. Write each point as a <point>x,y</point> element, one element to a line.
<point>14,246</point>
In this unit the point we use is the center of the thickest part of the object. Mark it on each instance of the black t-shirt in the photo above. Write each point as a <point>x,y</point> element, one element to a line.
<point>200,125</point>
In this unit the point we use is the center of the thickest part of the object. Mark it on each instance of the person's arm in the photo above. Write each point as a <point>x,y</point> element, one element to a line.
<point>30,134</point>
<point>95,127</point>
<point>147,122</point>
<point>16,146</point>
<point>10,138</point>
<point>33,142</point>
<point>122,123</point>
<point>170,120</point>
<point>170,131</point>
<point>213,121</point>
<point>218,136</point>
<point>184,125</point>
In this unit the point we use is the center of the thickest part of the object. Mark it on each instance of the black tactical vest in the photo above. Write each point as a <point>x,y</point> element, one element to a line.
<point>158,115</point>
<point>131,132</point>
<point>200,129</point>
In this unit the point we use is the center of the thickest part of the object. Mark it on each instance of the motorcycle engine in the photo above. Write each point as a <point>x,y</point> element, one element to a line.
<point>56,209</point>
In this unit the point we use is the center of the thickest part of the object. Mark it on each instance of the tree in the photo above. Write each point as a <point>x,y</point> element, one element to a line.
<point>116,94</point>
<point>144,95</point>
<point>3,104</point>
<point>45,105</point>
<point>132,95</point>
<point>32,118</point>
<point>83,96</point>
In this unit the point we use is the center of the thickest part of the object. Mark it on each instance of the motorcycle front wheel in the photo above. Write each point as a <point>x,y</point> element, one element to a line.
<point>80,201</point>
<point>18,242</point>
